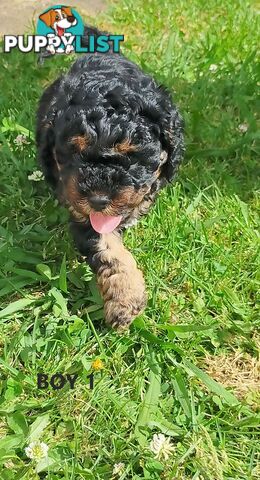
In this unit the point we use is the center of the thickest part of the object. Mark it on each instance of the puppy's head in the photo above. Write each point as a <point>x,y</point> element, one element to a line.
<point>110,161</point>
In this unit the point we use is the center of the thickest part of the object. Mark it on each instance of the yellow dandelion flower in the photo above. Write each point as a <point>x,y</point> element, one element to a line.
<point>97,364</point>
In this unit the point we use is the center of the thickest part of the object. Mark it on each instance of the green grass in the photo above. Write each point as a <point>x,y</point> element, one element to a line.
<point>198,251</point>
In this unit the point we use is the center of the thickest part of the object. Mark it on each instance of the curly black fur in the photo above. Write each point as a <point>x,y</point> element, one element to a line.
<point>131,134</point>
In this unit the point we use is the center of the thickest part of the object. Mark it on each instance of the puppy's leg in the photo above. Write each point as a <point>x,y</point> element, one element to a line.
<point>120,282</point>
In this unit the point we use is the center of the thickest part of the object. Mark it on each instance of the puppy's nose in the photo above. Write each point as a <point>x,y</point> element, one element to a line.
<point>70,18</point>
<point>98,202</point>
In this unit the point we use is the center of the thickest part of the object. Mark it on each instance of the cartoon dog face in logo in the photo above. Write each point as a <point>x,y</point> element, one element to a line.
<point>59,19</point>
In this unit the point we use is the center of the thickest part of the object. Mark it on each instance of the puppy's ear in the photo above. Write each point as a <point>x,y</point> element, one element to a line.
<point>47,17</point>
<point>68,11</point>
<point>171,137</point>
<point>45,135</point>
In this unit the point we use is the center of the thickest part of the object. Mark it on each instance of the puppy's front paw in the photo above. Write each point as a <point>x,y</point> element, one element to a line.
<point>124,296</point>
<point>121,283</point>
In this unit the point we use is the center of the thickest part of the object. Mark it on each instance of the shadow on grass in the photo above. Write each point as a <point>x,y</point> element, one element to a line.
<point>221,131</point>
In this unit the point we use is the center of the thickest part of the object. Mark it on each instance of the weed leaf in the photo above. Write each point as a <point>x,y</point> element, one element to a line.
<point>212,385</point>
<point>150,403</point>
<point>63,276</point>
<point>37,427</point>
<point>16,307</point>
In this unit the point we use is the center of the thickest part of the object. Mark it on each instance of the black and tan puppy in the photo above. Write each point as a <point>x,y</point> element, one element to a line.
<point>109,138</point>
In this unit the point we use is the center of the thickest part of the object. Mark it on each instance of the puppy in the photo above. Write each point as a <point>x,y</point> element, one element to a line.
<point>108,138</point>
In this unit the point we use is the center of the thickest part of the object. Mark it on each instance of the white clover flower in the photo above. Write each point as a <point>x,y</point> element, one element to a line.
<point>37,450</point>
<point>213,67</point>
<point>21,140</point>
<point>36,176</point>
<point>243,127</point>
<point>118,468</point>
<point>161,446</point>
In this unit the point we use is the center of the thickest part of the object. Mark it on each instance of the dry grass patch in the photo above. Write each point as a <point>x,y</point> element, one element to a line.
<point>238,370</point>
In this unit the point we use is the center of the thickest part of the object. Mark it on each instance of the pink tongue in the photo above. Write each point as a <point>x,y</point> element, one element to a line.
<point>104,223</point>
<point>60,31</point>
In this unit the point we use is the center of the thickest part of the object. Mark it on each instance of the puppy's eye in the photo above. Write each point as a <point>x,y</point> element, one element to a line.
<point>63,15</point>
<point>57,17</point>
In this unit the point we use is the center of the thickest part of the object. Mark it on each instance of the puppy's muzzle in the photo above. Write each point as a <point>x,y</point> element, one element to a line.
<point>98,202</point>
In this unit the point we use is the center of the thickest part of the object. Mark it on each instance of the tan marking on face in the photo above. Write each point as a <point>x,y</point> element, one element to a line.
<point>121,283</point>
<point>125,147</point>
<point>129,197</point>
<point>81,142</point>
<point>78,205</point>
